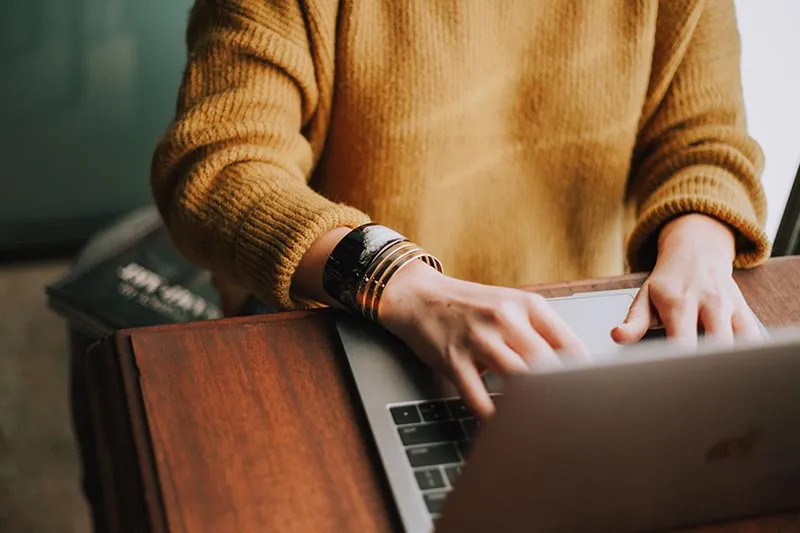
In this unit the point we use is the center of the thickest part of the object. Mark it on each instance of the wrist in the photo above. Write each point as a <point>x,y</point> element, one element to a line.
<point>408,289</point>
<point>363,263</point>
<point>698,234</point>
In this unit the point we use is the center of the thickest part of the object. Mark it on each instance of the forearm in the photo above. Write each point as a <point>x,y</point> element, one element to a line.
<point>230,174</point>
<point>693,154</point>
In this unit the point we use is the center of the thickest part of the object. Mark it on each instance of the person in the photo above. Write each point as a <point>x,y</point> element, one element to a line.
<point>331,152</point>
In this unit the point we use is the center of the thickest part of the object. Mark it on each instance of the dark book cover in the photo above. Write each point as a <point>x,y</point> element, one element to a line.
<point>131,275</point>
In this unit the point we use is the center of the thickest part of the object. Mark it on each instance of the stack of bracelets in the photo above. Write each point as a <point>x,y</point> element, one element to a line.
<point>362,264</point>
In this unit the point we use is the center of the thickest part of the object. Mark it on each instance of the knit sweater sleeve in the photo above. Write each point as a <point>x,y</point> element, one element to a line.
<point>693,153</point>
<point>230,175</point>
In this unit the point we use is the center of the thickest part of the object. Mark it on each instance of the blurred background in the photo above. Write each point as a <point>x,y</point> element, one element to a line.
<point>86,86</point>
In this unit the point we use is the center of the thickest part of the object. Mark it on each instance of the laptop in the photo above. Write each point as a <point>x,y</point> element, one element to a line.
<point>662,440</point>
<point>422,430</point>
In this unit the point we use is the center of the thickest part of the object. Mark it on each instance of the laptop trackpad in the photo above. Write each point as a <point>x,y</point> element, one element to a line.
<point>591,317</point>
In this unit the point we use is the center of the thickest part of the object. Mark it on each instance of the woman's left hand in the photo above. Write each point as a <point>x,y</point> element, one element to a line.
<point>691,287</point>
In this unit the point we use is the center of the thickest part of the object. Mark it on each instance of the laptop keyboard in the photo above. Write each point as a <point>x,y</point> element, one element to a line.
<point>436,436</point>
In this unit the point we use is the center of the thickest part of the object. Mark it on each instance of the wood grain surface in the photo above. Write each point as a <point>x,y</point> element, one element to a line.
<point>251,425</point>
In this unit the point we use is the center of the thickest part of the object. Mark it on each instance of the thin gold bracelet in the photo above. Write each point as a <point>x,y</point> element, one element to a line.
<point>373,298</point>
<point>391,269</point>
<point>366,286</point>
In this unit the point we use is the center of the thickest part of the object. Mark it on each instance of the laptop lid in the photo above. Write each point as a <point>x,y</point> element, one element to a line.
<point>664,438</point>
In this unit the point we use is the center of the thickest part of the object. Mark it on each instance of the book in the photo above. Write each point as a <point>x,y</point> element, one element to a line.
<point>132,275</point>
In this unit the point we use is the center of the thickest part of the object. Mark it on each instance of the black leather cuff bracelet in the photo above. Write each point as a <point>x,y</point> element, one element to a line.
<point>351,258</point>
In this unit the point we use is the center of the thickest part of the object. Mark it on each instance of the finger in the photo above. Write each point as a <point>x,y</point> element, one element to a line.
<point>525,341</point>
<point>543,356</point>
<point>498,356</point>
<point>470,385</point>
<point>637,322</point>
<point>743,321</point>
<point>553,331</point>
<point>745,325</point>
<point>716,320</point>
<point>680,319</point>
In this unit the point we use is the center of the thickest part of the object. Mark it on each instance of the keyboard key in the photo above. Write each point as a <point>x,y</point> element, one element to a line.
<point>405,414</point>
<point>471,426</point>
<point>452,473</point>
<point>435,501</point>
<point>430,478</point>
<point>434,411</point>
<point>458,409</point>
<point>435,454</point>
<point>430,433</point>
<point>463,449</point>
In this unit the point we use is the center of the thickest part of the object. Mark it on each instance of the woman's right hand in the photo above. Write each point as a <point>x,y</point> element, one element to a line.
<point>461,329</point>
<point>457,327</point>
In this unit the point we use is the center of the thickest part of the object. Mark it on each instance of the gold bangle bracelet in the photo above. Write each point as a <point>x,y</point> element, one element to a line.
<point>424,256</point>
<point>394,268</point>
<point>391,269</point>
<point>382,268</point>
<point>366,286</point>
<point>376,274</point>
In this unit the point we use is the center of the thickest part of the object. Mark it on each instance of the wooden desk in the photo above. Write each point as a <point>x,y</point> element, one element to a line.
<point>250,425</point>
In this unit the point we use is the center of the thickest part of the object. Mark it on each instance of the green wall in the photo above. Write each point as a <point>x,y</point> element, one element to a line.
<point>86,87</point>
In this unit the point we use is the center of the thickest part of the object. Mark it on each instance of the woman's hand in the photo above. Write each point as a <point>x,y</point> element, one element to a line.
<point>691,285</point>
<point>461,329</point>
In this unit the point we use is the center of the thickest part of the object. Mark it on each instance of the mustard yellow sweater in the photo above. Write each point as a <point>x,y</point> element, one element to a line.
<point>519,141</point>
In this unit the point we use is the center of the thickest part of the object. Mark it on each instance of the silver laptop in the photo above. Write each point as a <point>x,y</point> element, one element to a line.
<point>665,439</point>
<point>422,430</point>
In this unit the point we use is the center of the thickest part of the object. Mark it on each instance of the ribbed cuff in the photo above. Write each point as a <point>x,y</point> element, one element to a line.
<point>707,190</point>
<point>277,233</point>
